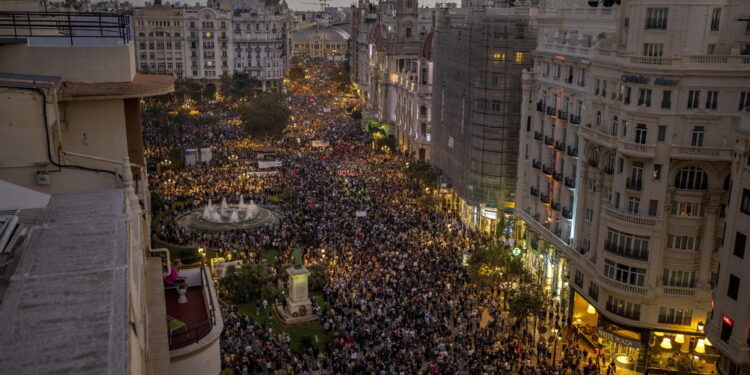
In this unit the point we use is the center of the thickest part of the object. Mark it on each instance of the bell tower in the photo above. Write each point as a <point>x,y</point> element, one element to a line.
<point>407,20</point>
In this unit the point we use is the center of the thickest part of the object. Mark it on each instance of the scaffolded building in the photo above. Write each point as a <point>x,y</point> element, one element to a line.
<point>480,54</point>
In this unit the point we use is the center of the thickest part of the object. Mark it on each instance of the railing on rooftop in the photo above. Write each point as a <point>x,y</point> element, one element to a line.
<point>197,332</point>
<point>76,27</point>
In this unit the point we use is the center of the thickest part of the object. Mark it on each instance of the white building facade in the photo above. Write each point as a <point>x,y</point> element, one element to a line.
<point>624,170</point>
<point>205,43</point>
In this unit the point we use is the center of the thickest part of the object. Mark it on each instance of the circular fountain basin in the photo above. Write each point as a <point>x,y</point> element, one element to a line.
<point>195,221</point>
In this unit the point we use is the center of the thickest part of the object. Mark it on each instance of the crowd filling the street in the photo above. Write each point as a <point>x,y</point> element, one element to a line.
<point>397,297</point>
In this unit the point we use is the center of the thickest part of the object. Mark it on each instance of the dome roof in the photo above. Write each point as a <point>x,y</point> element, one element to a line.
<point>332,33</point>
<point>427,45</point>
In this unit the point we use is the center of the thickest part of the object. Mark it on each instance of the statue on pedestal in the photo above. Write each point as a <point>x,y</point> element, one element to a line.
<point>298,307</point>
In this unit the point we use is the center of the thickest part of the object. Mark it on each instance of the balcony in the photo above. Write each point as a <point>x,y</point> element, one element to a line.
<point>596,136</point>
<point>549,141</point>
<point>537,164</point>
<point>538,136</point>
<point>637,150</point>
<point>193,325</point>
<point>678,292</point>
<point>693,62</point>
<point>560,146</point>
<point>634,184</point>
<point>573,151</point>
<point>630,219</point>
<point>627,252</point>
<point>540,106</point>
<point>63,28</point>
<point>622,287</point>
<point>555,206</point>
<point>575,119</point>
<point>551,111</point>
<point>703,153</point>
<point>544,198</point>
<point>534,191</point>
<point>567,213</point>
<point>557,176</point>
<point>562,115</point>
<point>570,182</point>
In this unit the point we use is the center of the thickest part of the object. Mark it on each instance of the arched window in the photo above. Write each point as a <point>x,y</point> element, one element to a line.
<point>691,178</point>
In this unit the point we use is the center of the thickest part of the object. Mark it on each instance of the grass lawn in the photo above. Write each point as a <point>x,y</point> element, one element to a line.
<point>297,333</point>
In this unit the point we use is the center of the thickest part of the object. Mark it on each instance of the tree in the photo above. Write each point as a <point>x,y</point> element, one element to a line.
<point>422,172</point>
<point>249,283</point>
<point>239,85</point>
<point>265,116</point>
<point>495,268</point>
<point>208,91</point>
<point>318,277</point>
<point>296,73</point>
<point>527,301</point>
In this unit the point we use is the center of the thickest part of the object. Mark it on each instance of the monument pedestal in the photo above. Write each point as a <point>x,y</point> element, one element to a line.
<point>298,308</point>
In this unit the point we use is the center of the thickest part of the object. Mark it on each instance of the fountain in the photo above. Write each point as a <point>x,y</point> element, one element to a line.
<point>227,216</point>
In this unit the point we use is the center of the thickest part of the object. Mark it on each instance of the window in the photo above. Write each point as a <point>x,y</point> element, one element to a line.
<point>627,244</point>
<point>520,57</point>
<point>683,242</point>
<point>628,92</point>
<point>617,199</point>
<point>624,309</point>
<point>662,133</point>
<point>691,178</point>
<point>744,99</point>
<point>656,18</point>
<point>597,88</point>
<point>734,287</point>
<point>582,80</point>
<point>745,203</point>
<point>640,134</point>
<point>657,172</point>
<point>408,32</point>
<point>726,329</point>
<point>624,273</point>
<point>677,278</point>
<point>653,49</point>
<point>693,98</point>
<point>666,99</point>
<point>620,165</point>
<point>594,291</point>
<point>715,19</point>
<point>644,97</point>
<point>670,315</point>
<point>712,100</point>
<point>711,50</point>
<point>687,209</point>
<point>633,205</point>
<point>589,216</point>
<point>697,136</point>
<point>740,240</point>
<point>653,208</point>
<point>578,278</point>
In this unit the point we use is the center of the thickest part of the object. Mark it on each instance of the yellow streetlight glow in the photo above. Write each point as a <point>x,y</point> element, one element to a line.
<point>700,346</point>
<point>679,338</point>
<point>666,343</point>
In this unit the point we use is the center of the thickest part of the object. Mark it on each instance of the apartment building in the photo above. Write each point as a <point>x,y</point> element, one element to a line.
<point>480,54</point>
<point>728,328</point>
<point>221,38</point>
<point>160,40</point>
<point>81,289</point>
<point>625,166</point>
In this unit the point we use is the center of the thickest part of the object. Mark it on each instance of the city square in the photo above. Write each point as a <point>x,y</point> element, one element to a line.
<point>232,187</point>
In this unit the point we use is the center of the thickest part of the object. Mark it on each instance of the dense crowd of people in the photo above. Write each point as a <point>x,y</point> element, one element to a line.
<point>398,297</point>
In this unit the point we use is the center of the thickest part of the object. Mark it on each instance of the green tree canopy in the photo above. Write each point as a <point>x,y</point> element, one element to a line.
<point>239,85</point>
<point>265,116</point>
<point>496,268</point>
<point>527,301</point>
<point>248,283</point>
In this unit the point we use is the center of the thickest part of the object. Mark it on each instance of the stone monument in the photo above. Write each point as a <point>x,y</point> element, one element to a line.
<point>298,306</point>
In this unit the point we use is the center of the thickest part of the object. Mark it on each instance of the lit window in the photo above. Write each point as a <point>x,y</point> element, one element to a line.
<point>519,57</point>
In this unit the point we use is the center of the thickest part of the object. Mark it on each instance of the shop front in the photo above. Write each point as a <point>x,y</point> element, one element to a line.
<point>639,350</point>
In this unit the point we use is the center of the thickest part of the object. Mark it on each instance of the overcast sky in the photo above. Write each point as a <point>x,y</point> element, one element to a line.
<point>295,4</point>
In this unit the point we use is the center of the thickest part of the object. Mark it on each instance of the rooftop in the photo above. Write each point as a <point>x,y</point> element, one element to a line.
<point>65,309</point>
<point>331,33</point>
<point>143,85</point>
